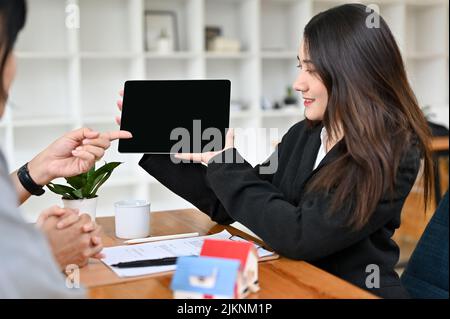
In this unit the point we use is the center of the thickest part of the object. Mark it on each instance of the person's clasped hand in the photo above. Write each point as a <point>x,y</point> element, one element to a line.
<point>73,237</point>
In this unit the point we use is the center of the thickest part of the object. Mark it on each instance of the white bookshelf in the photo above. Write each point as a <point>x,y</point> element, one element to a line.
<point>70,77</point>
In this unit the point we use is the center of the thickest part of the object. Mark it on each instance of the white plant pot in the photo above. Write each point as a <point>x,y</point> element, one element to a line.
<point>85,205</point>
<point>164,45</point>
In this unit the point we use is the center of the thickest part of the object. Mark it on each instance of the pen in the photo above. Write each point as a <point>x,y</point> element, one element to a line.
<point>158,238</point>
<point>148,262</point>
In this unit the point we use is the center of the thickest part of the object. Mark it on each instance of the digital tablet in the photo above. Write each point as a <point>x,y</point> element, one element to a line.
<point>174,116</point>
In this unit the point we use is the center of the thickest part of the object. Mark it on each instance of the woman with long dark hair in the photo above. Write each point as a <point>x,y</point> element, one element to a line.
<point>343,173</point>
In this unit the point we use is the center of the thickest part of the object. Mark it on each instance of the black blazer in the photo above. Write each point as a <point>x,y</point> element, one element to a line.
<point>292,222</point>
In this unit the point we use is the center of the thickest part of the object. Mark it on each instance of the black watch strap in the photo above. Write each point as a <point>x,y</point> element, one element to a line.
<point>27,182</point>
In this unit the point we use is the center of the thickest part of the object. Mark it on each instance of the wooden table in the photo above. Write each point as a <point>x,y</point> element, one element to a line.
<point>281,278</point>
<point>439,143</point>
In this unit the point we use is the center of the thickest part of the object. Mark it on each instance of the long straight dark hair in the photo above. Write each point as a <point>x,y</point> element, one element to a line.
<point>371,100</point>
<point>12,20</point>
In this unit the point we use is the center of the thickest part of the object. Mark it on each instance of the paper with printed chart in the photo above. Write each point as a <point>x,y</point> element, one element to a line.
<point>161,249</point>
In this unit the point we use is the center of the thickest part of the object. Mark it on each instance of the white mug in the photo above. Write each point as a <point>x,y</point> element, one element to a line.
<point>132,219</point>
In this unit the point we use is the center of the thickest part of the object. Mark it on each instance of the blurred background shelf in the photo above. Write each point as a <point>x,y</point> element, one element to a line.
<point>108,55</point>
<point>225,56</point>
<point>69,77</point>
<point>43,55</point>
<point>279,55</point>
<point>44,122</point>
<point>288,112</point>
<point>174,55</point>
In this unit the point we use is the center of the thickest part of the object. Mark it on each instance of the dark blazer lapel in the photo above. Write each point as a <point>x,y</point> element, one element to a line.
<point>331,155</point>
<point>309,155</point>
<point>313,145</point>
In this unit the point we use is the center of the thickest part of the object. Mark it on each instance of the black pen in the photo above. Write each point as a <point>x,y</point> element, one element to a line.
<point>148,262</point>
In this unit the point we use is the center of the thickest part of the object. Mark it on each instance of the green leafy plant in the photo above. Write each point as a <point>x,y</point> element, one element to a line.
<point>290,96</point>
<point>84,185</point>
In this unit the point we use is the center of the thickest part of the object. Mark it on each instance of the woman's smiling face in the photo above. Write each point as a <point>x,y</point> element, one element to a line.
<point>314,92</point>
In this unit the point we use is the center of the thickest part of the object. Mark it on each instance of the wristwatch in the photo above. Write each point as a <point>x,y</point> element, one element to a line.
<point>27,182</point>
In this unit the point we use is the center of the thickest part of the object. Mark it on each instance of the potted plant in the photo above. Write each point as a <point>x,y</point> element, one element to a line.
<point>81,193</point>
<point>290,98</point>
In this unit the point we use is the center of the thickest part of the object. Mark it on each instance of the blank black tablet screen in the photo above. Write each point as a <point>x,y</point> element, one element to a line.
<point>152,110</point>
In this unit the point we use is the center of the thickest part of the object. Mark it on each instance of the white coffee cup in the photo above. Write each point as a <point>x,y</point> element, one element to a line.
<point>132,219</point>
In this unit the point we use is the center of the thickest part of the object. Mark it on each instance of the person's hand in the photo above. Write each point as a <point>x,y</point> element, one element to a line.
<point>72,154</point>
<point>70,216</point>
<point>206,157</point>
<point>73,242</point>
<point>119,106</point>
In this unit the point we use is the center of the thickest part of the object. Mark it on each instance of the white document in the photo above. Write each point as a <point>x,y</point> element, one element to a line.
<point>161,249</point>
